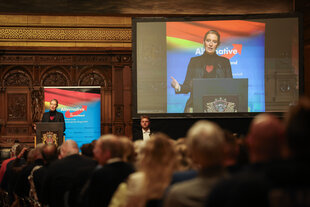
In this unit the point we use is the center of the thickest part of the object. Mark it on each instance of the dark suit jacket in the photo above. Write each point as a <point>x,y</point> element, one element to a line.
<point>59,117</point>
<point>137,134</point>
<point>105,181</point>
<point>59,178</point>
<point>218,67</point>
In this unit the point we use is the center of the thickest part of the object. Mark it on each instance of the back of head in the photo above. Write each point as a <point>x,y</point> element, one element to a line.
<point>183,158</point>
<point>266,138</point>
<point>49,153</point>
<point>206,144</point>
<point>298,130</point>
<point>128,149</point>
<point>16,149</point>
<point>87,150</point>
<point>231,149</point>
<point>158,162</point>
<point>158,151</point>
<point>69,147</point>
<point>112,144</point>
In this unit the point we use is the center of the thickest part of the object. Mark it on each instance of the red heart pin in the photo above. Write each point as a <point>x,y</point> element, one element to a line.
<point>209,68</point>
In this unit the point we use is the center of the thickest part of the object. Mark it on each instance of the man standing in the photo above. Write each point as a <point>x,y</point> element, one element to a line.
<point>145,131</point>
<point>52,115</point>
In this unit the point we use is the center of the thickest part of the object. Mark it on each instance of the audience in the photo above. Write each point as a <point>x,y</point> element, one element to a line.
<point>206,144</point>
<point>210,167</point>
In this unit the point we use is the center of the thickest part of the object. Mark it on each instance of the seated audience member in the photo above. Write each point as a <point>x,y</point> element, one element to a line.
<point>15,150</point>
<point>249,187</point>
<point>184,161</point>
<point>158,161</point>
<point>291,181</point>
<point>185,170</point>
<point>128,150</point>
<point>59,176</point>
<point>82,175</point>
<point>34,159</point>
<point>144,131</point>
<point>206,143</point>
<point>113,170</point>
<point>231,152</point>
<point>87,150</point>
<point>49,154</point>
<point>12,173</point>
<point>138,147</point>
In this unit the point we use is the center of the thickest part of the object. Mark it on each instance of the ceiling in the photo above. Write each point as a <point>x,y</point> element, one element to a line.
<point>143,7</point>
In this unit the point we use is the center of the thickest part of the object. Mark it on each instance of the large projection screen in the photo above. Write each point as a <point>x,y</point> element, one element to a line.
<point>263,50</point>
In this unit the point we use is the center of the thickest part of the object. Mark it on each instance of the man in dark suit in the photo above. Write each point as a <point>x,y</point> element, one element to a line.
<point>52,115</point>
<point>112,171</point>
<point>59,179</point>
<point>144,131</point>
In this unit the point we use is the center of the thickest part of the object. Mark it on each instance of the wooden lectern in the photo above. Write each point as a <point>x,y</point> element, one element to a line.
<point>49,132</point>
<point>220,95</point>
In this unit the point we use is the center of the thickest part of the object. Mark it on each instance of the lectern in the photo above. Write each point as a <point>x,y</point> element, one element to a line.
<point>49,132</point>
<point>220,95</point>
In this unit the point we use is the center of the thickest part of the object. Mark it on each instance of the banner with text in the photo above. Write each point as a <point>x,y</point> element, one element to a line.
<point>81,109</point>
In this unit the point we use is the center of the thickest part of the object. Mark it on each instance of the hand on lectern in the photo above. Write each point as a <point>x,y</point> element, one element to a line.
<point>34,126</point>
<point>175,84</point>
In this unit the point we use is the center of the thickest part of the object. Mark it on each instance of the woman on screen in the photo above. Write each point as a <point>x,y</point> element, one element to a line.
<point>208,65</point>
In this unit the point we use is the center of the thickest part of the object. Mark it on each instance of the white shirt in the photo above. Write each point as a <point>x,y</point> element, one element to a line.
<point>146,134</point>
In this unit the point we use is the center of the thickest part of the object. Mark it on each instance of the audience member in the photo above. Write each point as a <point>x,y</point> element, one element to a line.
<point>12,172</point>
<point>206,143</point>
<point>129,154</point>
<point>113,170</point>
<point>87,150</point>
<point>15,150</point>
<point>183,158</point>
<point>82,175</point>
<point>186,169</point>
<point>59,176</point>
<point>34,159</point>
<point>266,142</point>
<point>158,162</point>
<point>49,154</point>
<point>291,181</point>
<point>231,152</point>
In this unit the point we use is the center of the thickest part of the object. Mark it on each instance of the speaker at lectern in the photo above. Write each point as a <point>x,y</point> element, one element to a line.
<point>49,133</point>
<point>220,95</point>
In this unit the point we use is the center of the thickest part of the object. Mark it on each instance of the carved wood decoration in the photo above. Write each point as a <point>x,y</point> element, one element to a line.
<point>37,106</point>
<point>17,107</point>
<point>55,79</point>
<point>17,77</point>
